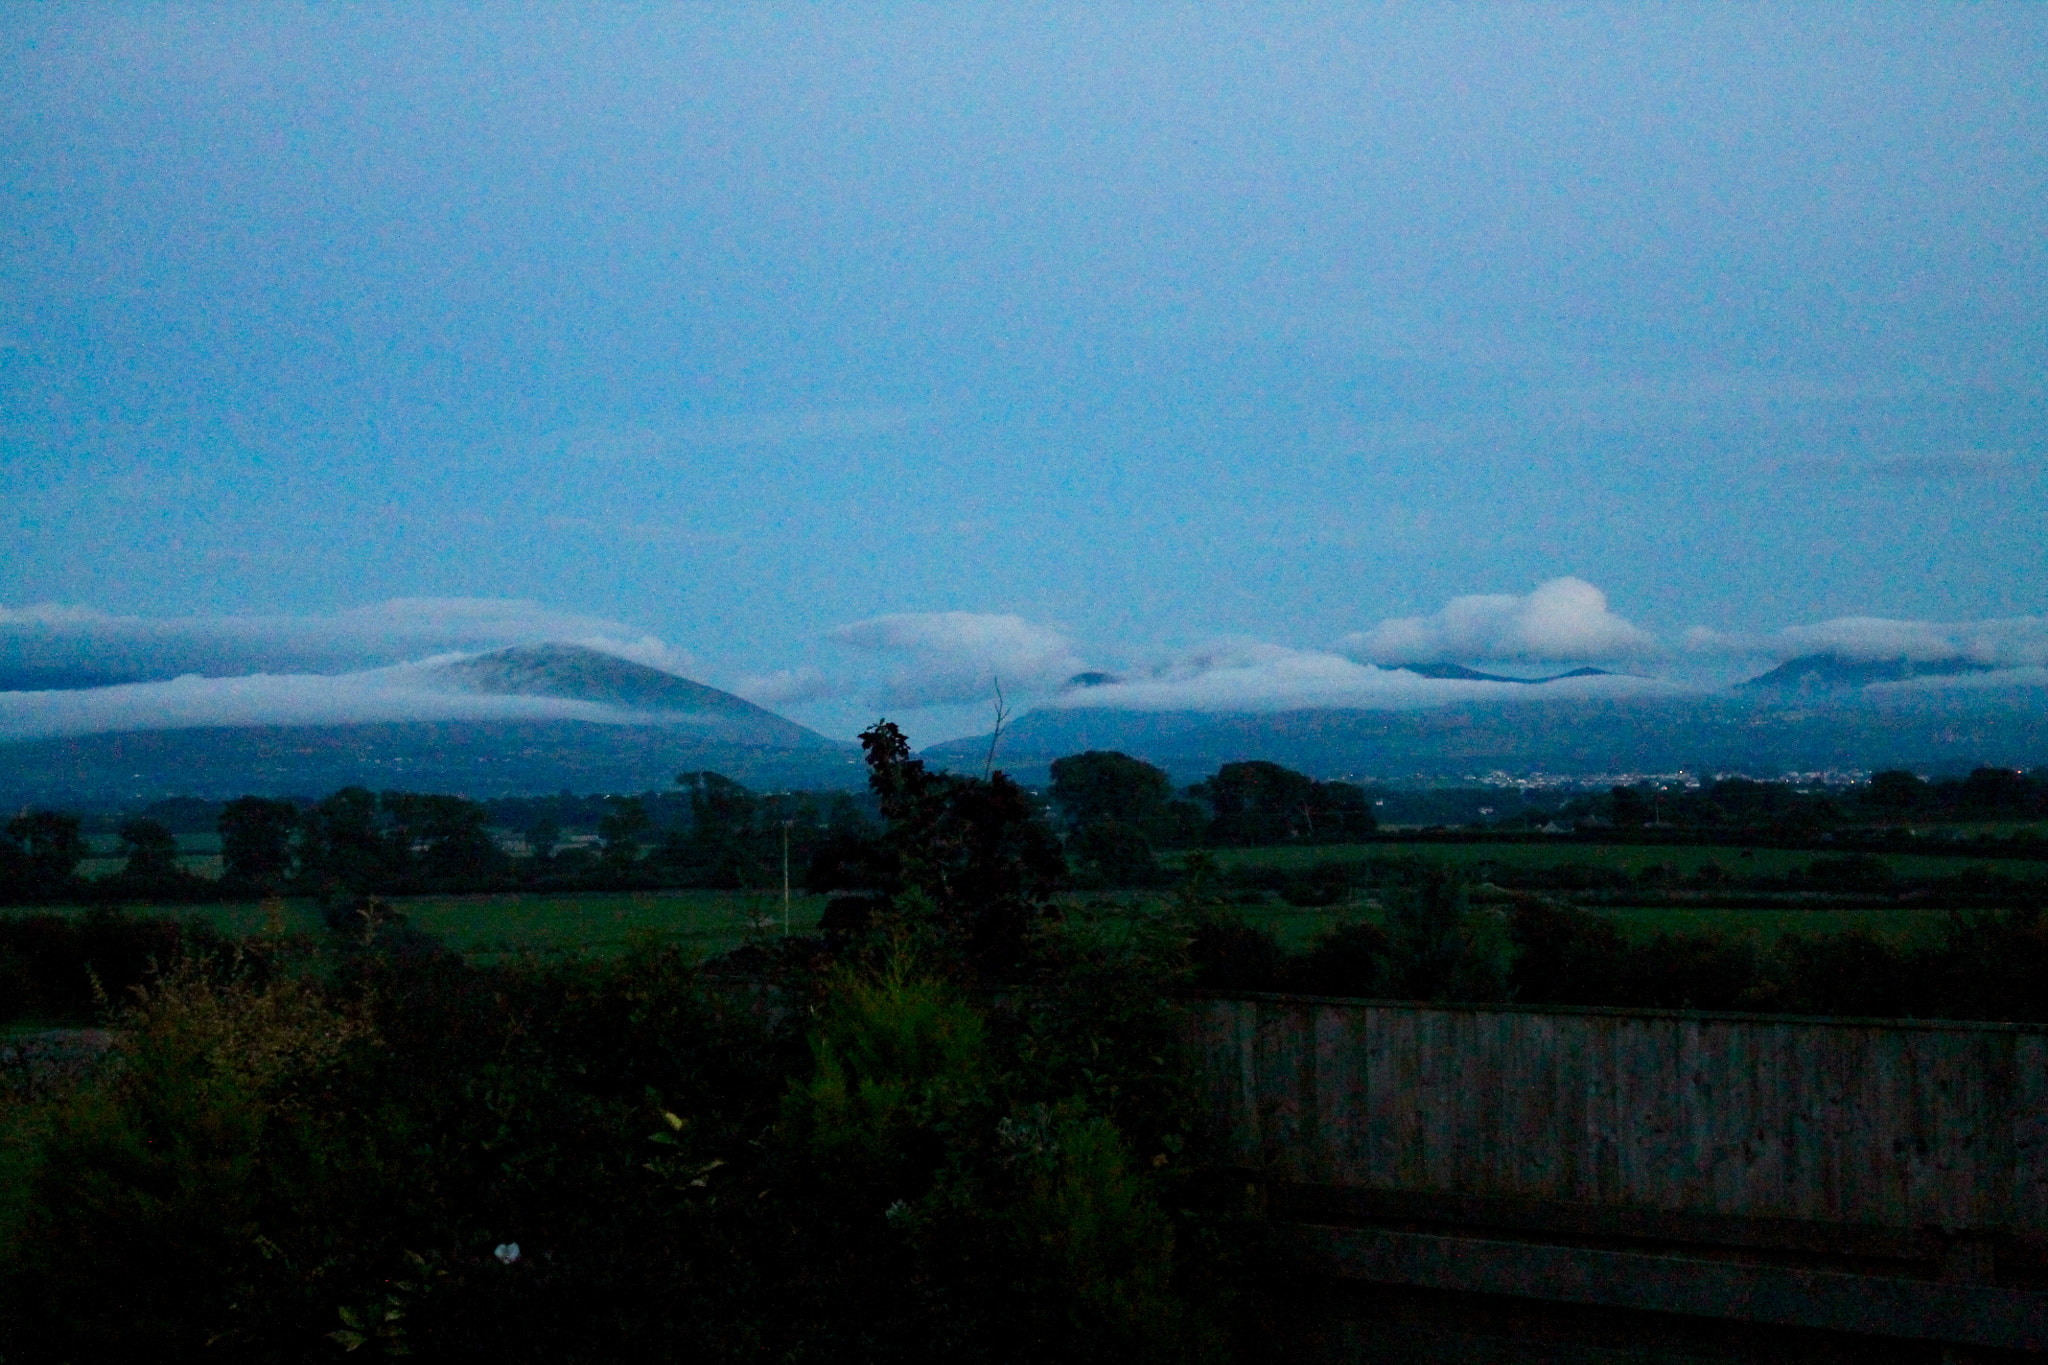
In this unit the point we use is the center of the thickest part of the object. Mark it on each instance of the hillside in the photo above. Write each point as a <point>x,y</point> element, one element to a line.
<point>577,673</point>
<point>1833,673</point>
<point>652,725</point>
<point>1733,733</point>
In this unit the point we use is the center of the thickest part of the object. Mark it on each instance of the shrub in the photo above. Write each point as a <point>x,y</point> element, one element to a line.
<point>897,1061</point>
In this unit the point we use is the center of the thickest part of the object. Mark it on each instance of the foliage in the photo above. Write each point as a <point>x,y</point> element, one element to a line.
<point>971,857</point>
<point>1263,803</point>
<point>255,840</point>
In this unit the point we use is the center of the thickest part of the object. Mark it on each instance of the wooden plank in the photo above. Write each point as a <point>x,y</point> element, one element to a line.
<point>1854,1123</point>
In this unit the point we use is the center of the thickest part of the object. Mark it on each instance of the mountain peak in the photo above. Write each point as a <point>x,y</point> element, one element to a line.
<point>580,673</point>
<point>1832,673</point>
<point>1460,673</point>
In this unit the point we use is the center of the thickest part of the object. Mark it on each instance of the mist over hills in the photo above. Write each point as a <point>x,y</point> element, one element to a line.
<point>1761,731</point>
<point>536,718</point>
<point>1834,673</point>
<point>543,717</point>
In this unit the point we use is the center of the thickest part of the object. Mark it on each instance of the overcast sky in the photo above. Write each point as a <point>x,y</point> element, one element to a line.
<point>829,343</point>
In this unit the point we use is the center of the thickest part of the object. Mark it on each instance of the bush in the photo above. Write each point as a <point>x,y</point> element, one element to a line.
<point>1348,960</point>
<point>181,1202</point>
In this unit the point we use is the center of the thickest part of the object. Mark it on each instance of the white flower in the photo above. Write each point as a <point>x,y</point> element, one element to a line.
<point>508,1252</point>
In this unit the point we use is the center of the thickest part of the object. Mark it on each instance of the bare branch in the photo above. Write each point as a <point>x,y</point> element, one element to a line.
<point>988,767</point>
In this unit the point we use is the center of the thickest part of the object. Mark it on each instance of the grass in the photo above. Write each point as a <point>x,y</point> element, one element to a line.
<point>1627,858</point>
<point>1297,927</point>
<point>601,922</point>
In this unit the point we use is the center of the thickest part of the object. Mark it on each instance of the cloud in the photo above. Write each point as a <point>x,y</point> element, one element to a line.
<point>2005,642</point>
<point>626,443</point>
<point>1997,680</point>
<point>959,656</point>
<point>404,693</point>
<point>786,687</point>
<point>1255,676</point>
<point>1563,620</point>
<point>46,645</point>
<point>1940,467</point>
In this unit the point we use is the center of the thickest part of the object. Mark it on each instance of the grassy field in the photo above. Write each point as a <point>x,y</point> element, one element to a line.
<point>1297,927</point>
<point>602,922</point>
<point>1627,858</point>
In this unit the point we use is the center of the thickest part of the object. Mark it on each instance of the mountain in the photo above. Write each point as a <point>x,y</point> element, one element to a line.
<point>648,725</point>
<point>576,673</point>
<point>1758,733</point>
<point>1464,674</point>
<point>1833,673</point>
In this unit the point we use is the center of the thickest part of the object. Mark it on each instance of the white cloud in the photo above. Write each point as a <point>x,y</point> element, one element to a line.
<point>404,693</point>
<point>1563,620</point>
<point>786,687</point>
<point>1254,676</point>
<point>48,614</point>
<point>959,656</point>
<point>646,650</point>
<point>54,640</point>
<point>2007,642</point>
<point>1997,680</point>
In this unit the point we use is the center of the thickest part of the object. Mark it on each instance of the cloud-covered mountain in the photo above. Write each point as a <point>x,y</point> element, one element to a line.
<point>524,719</point>
<point>1833,673</point>
<point>1486,681</point>
<point>59,647</point>
<point>1883,727</point>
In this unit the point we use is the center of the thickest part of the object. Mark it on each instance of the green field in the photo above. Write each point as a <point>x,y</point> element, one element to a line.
<point>602,922</point>
<point>1627,858</point>
<point>1298,927</point>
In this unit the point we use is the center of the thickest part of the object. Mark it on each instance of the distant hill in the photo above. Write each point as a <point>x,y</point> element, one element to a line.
<point>1742,732</point>
<point>1833,673</point>
<point>1464,674</point>
<point>576,673</point>
<point>666,724</point>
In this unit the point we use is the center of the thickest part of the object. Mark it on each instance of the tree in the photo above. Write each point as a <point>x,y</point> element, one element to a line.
<point>621,829</point>
<point>1896,790</point>
<point>46,849</point>
<point>452,837</point>
<point>970,857</point>
<point>1631,811</point>
<point>256,839</point>
<point>1107,786</point>
<point>344,841</point>
<point>151,850</point>
<point>1258,802</point>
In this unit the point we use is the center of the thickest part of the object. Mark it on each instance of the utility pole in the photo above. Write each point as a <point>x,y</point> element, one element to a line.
<point>785,876</point>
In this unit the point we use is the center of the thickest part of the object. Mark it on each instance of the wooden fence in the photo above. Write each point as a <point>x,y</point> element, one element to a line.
<point>1419,1145</point>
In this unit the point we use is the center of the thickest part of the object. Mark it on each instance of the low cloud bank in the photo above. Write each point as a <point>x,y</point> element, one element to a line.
<point>48,645</point>
<point>1257,677</point>
<point>951,657</point>
<point>1565,620</point>
<point>2009,642</point>
<point>404,693</point>
<point>786,687</point>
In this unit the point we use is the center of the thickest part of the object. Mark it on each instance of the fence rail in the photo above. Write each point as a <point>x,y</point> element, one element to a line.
<point>1867,1124</point>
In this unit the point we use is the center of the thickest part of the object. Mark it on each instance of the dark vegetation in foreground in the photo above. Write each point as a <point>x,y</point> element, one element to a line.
<point>955,1131</point>
<point>1443,939</point>
<point>951,1126</point>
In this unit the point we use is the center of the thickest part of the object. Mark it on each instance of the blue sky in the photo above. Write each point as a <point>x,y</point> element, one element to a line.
<point>739,328</point>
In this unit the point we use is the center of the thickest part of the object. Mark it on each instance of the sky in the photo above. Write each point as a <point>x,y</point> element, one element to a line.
<point>858,357</point>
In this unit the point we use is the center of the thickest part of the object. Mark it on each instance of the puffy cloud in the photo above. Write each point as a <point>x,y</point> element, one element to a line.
<point>959,656</point>
<point>2005,642</point>
<point>1563,620</point>
<point>404,693</point>
<point>46,646</point>
<point>1254,676</point>
<point>786,687</point>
